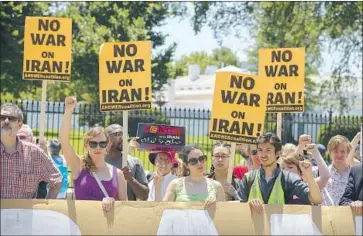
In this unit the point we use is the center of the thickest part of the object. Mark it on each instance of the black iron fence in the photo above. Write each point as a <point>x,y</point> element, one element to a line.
<point>320,127</point>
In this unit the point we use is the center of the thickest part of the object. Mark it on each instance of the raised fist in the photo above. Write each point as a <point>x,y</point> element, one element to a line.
<point>70,103</point>
<point>304,139</point>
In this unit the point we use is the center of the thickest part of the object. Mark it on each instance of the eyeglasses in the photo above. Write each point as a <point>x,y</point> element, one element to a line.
<point>116,134</point>
<point>10,118</point>
<point>193,161</point>
<point>22,137</point>
<point>254,152</point>
<point>94,144</point>
<point>220,157</point>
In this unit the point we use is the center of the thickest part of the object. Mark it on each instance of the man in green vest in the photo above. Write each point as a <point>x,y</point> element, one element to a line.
<point>272,185</point>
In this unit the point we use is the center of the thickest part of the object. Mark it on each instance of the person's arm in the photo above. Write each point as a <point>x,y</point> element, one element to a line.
<point>50,174</point>
<point>350,159</point>
<point>349,195</point>
<point>121,187</point>
<point>314,190</point>
<point>69,154</point>
<point>138,183</point>
<point>243,189</point>
<point>324,174</point>
<point>221,197</point>
<point>170,191</point>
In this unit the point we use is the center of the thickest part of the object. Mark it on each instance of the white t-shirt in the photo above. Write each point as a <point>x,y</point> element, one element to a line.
<point>165,181</point>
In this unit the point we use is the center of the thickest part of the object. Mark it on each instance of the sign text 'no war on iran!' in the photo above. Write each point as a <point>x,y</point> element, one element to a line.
<point>239,105</point>
<point>125,76</point>
<point>47,48</point>
<point>283,70</point>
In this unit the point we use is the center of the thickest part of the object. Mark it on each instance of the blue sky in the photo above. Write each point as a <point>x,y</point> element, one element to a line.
<point>181,32</point>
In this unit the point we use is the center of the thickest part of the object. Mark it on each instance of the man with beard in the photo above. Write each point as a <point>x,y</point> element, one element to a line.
<point>23,164</point>
<point>137,184</point>
<point>271,185</point>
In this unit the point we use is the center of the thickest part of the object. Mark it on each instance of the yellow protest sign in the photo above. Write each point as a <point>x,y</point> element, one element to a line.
<point>285,68</point>
<point>125,76</point>
<point>239,105</point>
<point>47,48</point>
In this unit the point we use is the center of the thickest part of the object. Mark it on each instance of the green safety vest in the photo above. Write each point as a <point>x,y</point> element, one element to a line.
<point>243,161</point>
<point>277,193</point>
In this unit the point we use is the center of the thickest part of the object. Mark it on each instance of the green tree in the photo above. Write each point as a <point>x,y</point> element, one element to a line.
<point>219,57</point>
<point>92,24</point>
<point>296,24</point>
<point>12,18</point>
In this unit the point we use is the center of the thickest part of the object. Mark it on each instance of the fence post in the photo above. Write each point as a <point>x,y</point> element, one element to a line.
<point>330,120</point>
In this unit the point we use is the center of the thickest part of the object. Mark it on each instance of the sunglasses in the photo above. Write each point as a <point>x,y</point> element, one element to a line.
<point>94,144</point>
<point>193,161</point>
<point>22,137</point>
<point>10,118</point>
<point>254,152</point>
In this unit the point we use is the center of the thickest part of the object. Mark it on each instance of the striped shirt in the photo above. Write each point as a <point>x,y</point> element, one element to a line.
<point>23,170</point>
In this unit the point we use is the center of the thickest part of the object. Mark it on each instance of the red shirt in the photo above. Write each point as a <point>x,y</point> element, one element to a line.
<point>22,171</point>
<point>239,171</point>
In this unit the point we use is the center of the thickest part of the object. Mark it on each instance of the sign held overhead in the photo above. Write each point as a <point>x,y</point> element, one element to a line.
<point>285,68</point>
<point>125,76</point>
<point>47,48</point>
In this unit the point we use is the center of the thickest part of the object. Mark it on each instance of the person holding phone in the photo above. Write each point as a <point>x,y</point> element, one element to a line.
<point>309,151</point>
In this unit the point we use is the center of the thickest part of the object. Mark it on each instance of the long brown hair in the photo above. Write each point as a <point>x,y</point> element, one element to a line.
<point>87,162</point>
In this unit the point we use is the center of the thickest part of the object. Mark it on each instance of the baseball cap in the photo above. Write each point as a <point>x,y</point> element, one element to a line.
<point>54,145</point>
<point>114,128</point>
<point>321,149</point>
<point>152,157</point>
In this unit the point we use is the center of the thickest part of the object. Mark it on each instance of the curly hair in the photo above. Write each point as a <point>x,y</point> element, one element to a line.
<point>87,162</point>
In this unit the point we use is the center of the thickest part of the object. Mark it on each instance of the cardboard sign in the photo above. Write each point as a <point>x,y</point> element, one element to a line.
<point>125,76</point>
<point>47,48</point>
<point>285,68</point>
<point>160,137</point>
<point>152,218</point>
<point>239,105</point>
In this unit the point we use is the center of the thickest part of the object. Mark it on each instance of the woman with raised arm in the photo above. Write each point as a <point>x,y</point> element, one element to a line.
<point>194,186</point>
<point>93,178</point>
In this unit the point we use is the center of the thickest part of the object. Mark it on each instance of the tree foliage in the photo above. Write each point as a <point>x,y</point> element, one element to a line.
<point>12,18</point>
<point>222,56</point>
<point>94,23</point>
<point>297,24</point>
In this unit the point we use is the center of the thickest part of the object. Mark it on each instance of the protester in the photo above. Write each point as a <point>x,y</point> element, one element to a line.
<point>351,160</point>
<point>164,162</point>
<point>25,133</point>
<point>338,148</point>
<point>291,163</point>
<point>23,164</point>
<point>93,178</point>
<point>194,187</point>
<point>249,157</point>
<point>137,184</point>
<point>219,169</point>
<point>271,185</point>
<point>307,150</point>
<point>60,162</point>
<point>353,193</point>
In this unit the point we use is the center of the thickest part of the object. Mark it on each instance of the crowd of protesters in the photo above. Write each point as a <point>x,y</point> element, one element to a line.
<point>269,173</point>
